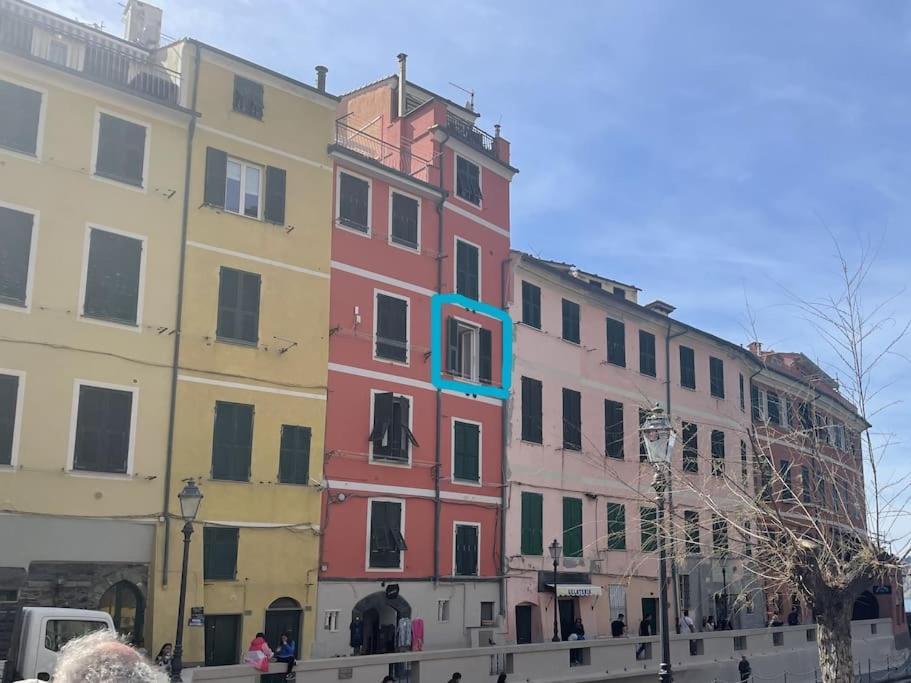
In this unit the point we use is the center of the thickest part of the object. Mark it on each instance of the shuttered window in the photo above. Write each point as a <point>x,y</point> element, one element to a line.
<point>717,452</point>
<point>15,252</point>
<point>232,441</point>
<point>647,353</point>
<point>643,451</point>
<point>774,408</point>
<point>572,527</point>
<point>466,550</point>
<point>616,526</point>
<point>532,523</point>
<point>467,270</point>
<point>466,451</point>
<point>121,150</point>
<point>531,305</point>
<point>468,351</point>
<point>744,474</point>
<point>294,455</point>
<point>9,394</point>
<point>243,188</point>
<point>716,377</point>
<point>391,328</point>
<point>648,529</point>
<point>391,435</point>
<point>386,540</point>
<point>691,532</point>
<point>613,429</point>
<point>353,202</point>
<point>112,277</point>
<point>740,388</point>
<point>485,357</point>
<point>532,390</point>
<point>690,447</point>
<point>719,535</point>
<point>404,228</point>
<point>276,181</point>
<point>572,420</point>
<point>219,553</point>
<point>755,404</point>
<point>787,488</point>
<point>687,367</point>
<point>468,181</point>
<point>103,420</point>
<point>238,306</point>
<point>806,492</point>
<point>571,321</point>
<point>20,111</point>
<point>248,97</point>
<point>616,342</point>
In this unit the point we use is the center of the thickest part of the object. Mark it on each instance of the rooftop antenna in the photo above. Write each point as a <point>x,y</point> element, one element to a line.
<point>470,104</point>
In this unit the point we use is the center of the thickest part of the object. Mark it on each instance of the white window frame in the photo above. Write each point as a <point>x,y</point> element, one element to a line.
<point>455,266</point>
<point>146,154</point>
<point>443,605</point>
<point>404,247</point>
<point>401,567</point>
<point>32,255</point>
<point>763,405</point>
<point>330,620</point>
<point>66,54</point>
<point>455,182</point>
<point>244,165</point>
<point>338,202</point>
<point>407,300</point>
<point>42,110</point>
<point>475,350</point>
<point>83,276</point>
<point>455,525</point>
<point>17,420</point>
<point>74,418</point>
<point>465,482</point>
<point>371,459</point>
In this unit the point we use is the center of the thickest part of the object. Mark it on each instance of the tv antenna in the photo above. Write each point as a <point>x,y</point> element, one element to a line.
<point>470,93</point>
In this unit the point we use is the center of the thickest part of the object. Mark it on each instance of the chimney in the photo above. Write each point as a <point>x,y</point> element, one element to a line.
<point>142,24</point>
<point>755,348</point>
<point>321,78</point>
<point>402,82</point>
<point>661,307</point>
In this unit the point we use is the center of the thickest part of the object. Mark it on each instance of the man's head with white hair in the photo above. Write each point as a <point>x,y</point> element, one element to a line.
<point>102,657</point>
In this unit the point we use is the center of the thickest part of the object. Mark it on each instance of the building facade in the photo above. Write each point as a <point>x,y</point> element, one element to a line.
<point>412,517</point>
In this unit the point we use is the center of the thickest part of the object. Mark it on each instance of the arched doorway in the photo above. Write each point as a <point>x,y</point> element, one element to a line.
<point>379,615</point>
<point>283,616</point>
<point>865,607</point>
<point>124,602</point>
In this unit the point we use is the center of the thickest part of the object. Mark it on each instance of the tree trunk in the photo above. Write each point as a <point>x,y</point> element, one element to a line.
<point>833,636</point>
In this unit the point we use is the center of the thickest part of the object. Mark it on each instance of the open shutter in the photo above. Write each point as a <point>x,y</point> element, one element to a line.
<point>572,527</point>
<point>452,347</point>
<point>484,355</point>
<point>382,419</point>
<point>467,446</point>
<point>466,542</point>
<point>216,175</point>
<point>532,521</point>
<point>275,195</point>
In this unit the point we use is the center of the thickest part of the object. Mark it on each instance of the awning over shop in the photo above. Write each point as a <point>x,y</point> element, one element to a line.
<point>576,590</point>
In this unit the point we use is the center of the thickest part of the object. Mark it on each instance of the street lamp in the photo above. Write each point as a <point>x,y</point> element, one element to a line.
<point>555,549</point>
<point>190,498</point>
<point>659,437</point>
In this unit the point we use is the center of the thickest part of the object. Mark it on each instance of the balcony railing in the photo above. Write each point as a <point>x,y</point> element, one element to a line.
<point>121,68</point>
<point>400,159</point>
<point>471,135</point>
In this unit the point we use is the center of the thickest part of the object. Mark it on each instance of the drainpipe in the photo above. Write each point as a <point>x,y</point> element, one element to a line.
<point>670,492</point>
<point>185,212</point>
<point>504,420</point>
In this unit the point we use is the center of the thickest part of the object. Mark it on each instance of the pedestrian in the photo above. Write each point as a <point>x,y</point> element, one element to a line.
<point>744,668</point>
<point>709,624</point>
<point>388,679</point>
<point>645,630</point>
<point>456,677</point>
<point>617,626</point>
<point>164,657</point>
<point>356,641</point>
<point>501,678</point>
<point>686,623</point>
<point>579,629</point>
<point>285,653</point>
<point>775,621</point>
<point>259,654</point>
<point>794,617</point>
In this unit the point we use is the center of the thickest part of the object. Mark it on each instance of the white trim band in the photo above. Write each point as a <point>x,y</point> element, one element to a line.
<point>251,387</point>
<point>410,491</point>
<point>257,259</point>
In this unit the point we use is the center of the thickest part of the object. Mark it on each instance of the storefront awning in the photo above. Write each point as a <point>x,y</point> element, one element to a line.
<point>576,590</point>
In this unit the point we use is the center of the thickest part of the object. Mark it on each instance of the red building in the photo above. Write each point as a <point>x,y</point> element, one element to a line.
<point>412,516</point>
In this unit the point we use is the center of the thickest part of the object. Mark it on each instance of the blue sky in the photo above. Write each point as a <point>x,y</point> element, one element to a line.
<point>697,149</point>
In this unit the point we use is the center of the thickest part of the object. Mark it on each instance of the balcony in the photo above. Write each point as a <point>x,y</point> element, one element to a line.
<point>400,159</point>
<point>471,135</point>
<point>86,53</point>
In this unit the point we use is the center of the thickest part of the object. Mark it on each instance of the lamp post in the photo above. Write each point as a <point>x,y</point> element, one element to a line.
<point>555,549</point>
<point>659,437</point>
<point>190,498</point>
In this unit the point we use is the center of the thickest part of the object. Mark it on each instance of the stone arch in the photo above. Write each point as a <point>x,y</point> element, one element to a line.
<point>865,607</point>
<point>125,603</point>
<point>377,613</point>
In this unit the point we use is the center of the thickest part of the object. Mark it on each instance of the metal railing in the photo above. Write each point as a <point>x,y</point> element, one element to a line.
<point>471,135</point>
<point>97,61</point>
<point>400,159</point>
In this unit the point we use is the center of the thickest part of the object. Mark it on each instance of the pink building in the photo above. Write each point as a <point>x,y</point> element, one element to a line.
<point>412,517</point>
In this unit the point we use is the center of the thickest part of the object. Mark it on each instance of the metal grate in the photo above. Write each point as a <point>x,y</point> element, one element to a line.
<point>471,135</point>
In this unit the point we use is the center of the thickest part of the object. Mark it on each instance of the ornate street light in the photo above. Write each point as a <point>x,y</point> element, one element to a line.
<point>555,549</point>
<point>190,498</point>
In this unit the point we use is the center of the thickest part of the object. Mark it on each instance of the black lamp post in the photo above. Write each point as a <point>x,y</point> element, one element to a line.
<point>190,498</point>
<point>659,437</point>
<point>555,549</point>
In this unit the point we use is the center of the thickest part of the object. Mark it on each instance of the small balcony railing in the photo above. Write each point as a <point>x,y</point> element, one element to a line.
<point>97,61</point>
<point>471,135</point>
<point>400,159</point>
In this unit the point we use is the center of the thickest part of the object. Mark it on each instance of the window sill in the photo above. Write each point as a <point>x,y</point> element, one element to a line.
<point>405,246</point>
<point>374,570</point>
<point>615,364</point>
<point>129,182</point>
<point>648,375</point>
<point>21,154</point>
<point>248,115</point>
<point>218,580</point>
<point>477,205</point>
<point>237,342</point>
<point>392,361</point>
<point>466,482</point>
<point>90,318</point>
<point>536,328</point>
<point>577,344</point>
<point>693,389</point>
<point>715,396</point>
<point>390,462</point>
<point>92,474</point>
<point>532,443</point>
<point>229,481</point>
<point>227,212</point>
<point>352,227</point>
<point>10,305</point>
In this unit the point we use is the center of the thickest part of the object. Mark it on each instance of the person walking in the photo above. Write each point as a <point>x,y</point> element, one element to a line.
<point>687,625</point>
<point>709,624</point>
<point>501,678</point>
<point>646,629</point>
<point>617,626</point>
<point>794,616</point>
<point>259,654</point>
<point>456,677</point>
<point>744,668</point>
<point>285,653</point>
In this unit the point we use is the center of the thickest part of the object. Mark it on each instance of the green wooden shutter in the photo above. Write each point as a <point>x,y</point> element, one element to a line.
<point>467,445</point>
<point>453,360</point>
<point>9,393</point>
<point>531,410</point>
<point>232,441</point>
<point>220,553</point>
<point>616,342</point>
<point>15,250</point>
<point>466,547</point>
<point>103,424</point>
<point>216,177</point>
<point>532,523</point>
<point>616,526</point>
<point>274,211</point>
<point>572,527</point>
<point>294,455</point>
<point>112,277</point>
<point>485,361</point>
<point>572,420</point>
<point>20,109</point>
<point>648,529</point>
<point>382,422</point>
<point>613,429</point>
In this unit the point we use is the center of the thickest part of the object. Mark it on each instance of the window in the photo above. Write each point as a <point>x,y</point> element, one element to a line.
<point>442,611</point>
<point>572,527</point>
<point>468,181</point>
<point>532,410</point>
<point>647,353</point>
<point>57,52</point>
<point>486,613</point>
<point>466,549</point>
<point>468,351</point>
<point>717,452</point>
<point>242,188</point>
<point>613,429</point>
<point>571,321</point>
<point>237,187</point>
<point>756,407</point>
<point>16,229</point>
<point>405,221</point>
<point>719,535</point>
<point>248,97</point>
<point>391,332</point>
<point>690,447</point>
<point>687,367</point>
<point>466,439</point>
<point>353,202</point>
<point>643,451</point>
<point>121,150</point>
<point>531,305</point>
<point>104,422</point>
<point>467,275</point>
<point>774,408</point>
<point>616,526</point>
<point>716,377</point>
<point>391,434</point>
<point>691,532</point>
<point>784,471</point>
<point>765,477</point>
<point>740,388</point>
<point>683,587</point>
<point>804,414</point>
<point>20,114</point>
<point>112,277</point>
<point>744,475</point>
<point>219,553</point>
<point>238,306</point>
<point>330,620</point>
<point>9,400</point>
<point>806,494</point>
<point>648,529</point>
<point>387,542</point>
<point>532,523</point>
<point>294,455</point>
<point>619,292</point>
<point>232,441</point>
<point>572,420</point>
<point>616,342</point>
<point>61,631</point>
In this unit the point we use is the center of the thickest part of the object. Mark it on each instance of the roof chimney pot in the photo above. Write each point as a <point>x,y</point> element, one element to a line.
<point>755,347</point>
<point>402,57</point>
<point>321,72</point>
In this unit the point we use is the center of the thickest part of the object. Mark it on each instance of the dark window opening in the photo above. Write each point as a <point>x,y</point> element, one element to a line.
<point>572,420</point>
<point>691,531</point>
<point>532,410</point>
<point>466,550</point>
<point>531,305</point>
<point>571,321</point>
<point>468,181</point>
<point>572,527</point>
<point>616,342</point>
<point>719,535</point>
<point>238,306</point>
<point>9,395</point>
<point>717,452</point>
<point>353,202</point>
<point>219,554</point>
<point>232,441</point>
<point>103,421</point>
<point>647,353</point>
<point>690,447</point>
<point>466,451</point>
<point>386,540</point>
<point>773,404</point>
<point>613,429</point>
<point>294,455</point>
<point>648,529</point>
<point>616,526</point>
<point>467,270</point>
<point>391,434</point>
<point>15,253</point>
<point>248,97</point>
<point>20,110</point>
<point>687,367</point>
<point>716,377</point>
<point>121,150</point>
<point>391,328</point>
<point>404,227</point>
<point>112,277</point>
